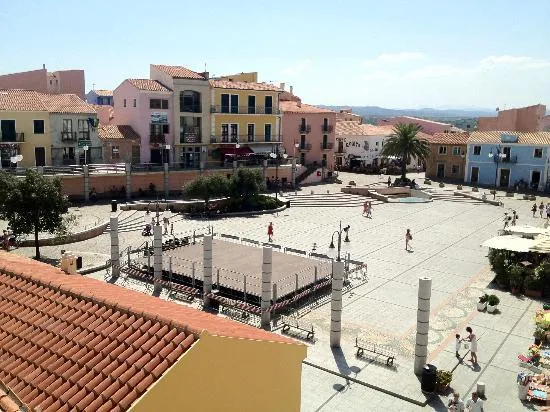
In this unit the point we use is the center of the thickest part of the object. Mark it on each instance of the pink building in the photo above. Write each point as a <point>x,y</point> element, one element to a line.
<point>59,82</point>
<point>524,119</point>
<point>308,132</point>
<point>428,126</point>
<point>145,105</point>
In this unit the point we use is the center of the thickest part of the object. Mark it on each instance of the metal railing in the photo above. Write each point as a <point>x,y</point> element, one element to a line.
<point>305,146</point>
<point>190,108</point>
<point>304,128</point>
<point>507,159</point>
<point>244,109</point>
<point>157,138</point>
<point>12,137</point>
<point>327,128</point>
<point>68,136</point>
<point>190,135</point>
<point>327,146</point>
<point>243,138</point>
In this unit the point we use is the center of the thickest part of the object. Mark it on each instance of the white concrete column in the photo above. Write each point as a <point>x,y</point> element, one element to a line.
<point>264,169</point>
<point>336,304</point>
<point>115,252</point>
<point>207,268</point>
<point>422,324</point>
<point>294,173</point>
<point>234,166</point>
<point>128,170</point>
<point>266,287</point>
<point>86,171</point>
<point>157,254</point>
<point>166,183</point>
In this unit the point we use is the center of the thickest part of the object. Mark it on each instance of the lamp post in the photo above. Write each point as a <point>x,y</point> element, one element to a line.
<point>498,156</point>
<point>332,252</point>
<point>85,148</point>
<point>296,145</point>
<point>278,158</point>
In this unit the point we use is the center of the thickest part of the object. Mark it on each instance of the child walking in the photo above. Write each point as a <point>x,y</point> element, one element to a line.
<point>457,345</point>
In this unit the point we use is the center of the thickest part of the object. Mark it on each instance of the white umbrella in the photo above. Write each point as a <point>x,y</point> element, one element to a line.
<point>510,242</point>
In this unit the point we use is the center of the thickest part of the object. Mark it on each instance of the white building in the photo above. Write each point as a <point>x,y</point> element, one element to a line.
<point>360,143</point>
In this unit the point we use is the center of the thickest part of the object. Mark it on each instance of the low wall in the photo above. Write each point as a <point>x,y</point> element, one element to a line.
<point>471,196</point>
<point>71,238</point>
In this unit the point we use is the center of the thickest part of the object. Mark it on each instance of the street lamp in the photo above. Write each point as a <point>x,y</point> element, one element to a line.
<point>296,145</point>
<point>278,157</point>
<point>498,156</point>
<point>332,253</point>
<point>85,148</point>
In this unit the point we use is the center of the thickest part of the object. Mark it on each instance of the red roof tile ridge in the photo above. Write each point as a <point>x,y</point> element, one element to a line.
<point>5,391</point>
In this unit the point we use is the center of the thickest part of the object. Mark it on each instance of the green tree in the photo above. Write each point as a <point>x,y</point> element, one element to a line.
<point>33,204</point>
<point>247,183</point>
<point>405,144</point>
<point>208,187</point>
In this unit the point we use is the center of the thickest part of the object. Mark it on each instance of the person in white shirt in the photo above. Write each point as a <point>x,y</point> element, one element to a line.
<point>472,338</point>
<point>454,403</point>
<point>474,404</point>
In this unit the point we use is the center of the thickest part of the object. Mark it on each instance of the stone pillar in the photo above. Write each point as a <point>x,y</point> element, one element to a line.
<point>157,254</point>
<point>294,173</point>
<point>264,169</point>
<point>86,171</point>
<point>115,252</point>
<point>166,182</point>
<point>207,268</point>
<point>128,170</point>
<point>336,304</point>
<point>234,166</point>
<point>266,287</point>
<point>422,324</point>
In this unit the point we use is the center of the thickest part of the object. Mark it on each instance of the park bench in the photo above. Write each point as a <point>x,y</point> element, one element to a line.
<point>300,326</point>
<point>376,349</point>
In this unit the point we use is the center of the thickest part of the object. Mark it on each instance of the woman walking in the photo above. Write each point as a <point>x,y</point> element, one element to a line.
<point>472,338</point>
<point>270,232</point>
<point>408,238</point>
<point>534,209</point>
<point>541,209</point>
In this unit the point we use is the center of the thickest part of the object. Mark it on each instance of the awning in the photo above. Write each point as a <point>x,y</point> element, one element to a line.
<point>241,151</point>
<point>263,148</point>
<point>510,242</point>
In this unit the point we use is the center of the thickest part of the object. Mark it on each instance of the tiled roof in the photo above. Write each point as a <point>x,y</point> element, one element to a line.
<point>289,106</point>
<point>21,100</point>
<point>9,402</point>
<point>103,92</point>
<point>65,103</point>
<point>419,119</point>
<point>108,132</point>
<point>536,138</point>
<point>228,84</point>
<point>150,85</point>
<point>448,138</point>
<point>179,72</point>
<point>354,128</point>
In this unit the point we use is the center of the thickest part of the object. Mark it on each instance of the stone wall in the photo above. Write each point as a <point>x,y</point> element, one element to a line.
<point>74,237</point>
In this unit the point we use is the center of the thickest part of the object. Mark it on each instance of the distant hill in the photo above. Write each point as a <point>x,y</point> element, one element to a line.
<point>434,114</point>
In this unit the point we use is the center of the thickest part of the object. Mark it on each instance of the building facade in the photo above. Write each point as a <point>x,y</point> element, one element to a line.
<point>346,115</point>
<point>308,133</point>
<point>524,119</point>
<point>120,144</point>
<point>447,159</point>
<point>245,118</point>
<point>428,126</point>
<point>359,145</point>
<point>146,106</point>
<point>101,97</point>
<point>190,108</point>
<point>58,82</point>
<point>508,159</point>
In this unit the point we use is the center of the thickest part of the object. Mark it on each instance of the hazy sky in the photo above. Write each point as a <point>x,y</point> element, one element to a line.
<point>393,53</point>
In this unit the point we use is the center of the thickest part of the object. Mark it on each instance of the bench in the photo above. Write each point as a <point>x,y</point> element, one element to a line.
<point>189,292</point>
<point>376,349</point>
<point>233,312</point>
<point>294,323</point>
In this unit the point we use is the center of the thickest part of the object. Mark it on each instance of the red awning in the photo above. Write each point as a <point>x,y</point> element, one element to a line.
<point>241,151</point>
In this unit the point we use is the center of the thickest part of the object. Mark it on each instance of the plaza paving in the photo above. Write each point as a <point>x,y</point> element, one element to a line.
<point>446,247</point>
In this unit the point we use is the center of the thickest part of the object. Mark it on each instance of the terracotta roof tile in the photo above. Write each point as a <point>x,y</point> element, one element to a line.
<point>149,85</point>
<point>66,103</point>
<point>290,106</point>
<point>354,128</point>
<point>113,132</point>
<point>21,100</point>
<point>103,92</point>
<point>448,138</point>
<point>178,72</point>
<point>527,138</point>
<point>228,84</point>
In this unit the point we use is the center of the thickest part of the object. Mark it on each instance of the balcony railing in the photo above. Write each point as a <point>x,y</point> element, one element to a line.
<point>190,108</point>
<point>244,139</point>
<point>12,137</point>
<point>190,135</point>
<point>507,159</point>
<point>340,149</point>
<point>305,146</point>
<point>84,135</point>
<point>244,109</point>
<point>326,128</point>
<point>327,146</point>
<point>68,136</point>
<point>157,139</point>
<point>304,128</point>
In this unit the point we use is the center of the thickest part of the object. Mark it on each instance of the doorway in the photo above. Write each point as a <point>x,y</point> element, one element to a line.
<point>40,156</point>
<point>156,156</point>
<point>504,178</point>
<point>440,170</point>
<point>303,159</point>
<point>475,174</point>
<point>535,179</point>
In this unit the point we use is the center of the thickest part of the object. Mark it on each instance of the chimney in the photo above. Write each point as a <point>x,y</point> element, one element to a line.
<point>291,88</point>
<point>282,86</point>
<point>205,74</point>
<point>43,66</point>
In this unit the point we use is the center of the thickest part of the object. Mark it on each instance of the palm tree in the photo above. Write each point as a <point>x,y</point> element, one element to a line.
<point>405,144</point>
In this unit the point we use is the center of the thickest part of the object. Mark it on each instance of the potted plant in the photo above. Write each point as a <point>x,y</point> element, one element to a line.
<point>482,304</point>
<point>492,303</point>
<point>516,278</point>
<point>475,189</point>
<point>443,380</point>
<point>459,187</point>
<point>427,182</point>
<point>539,334</point>
<point>442,185</point>
<point>533,285</point>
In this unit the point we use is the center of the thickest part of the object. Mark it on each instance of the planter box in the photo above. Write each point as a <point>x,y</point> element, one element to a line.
<point>491,309</point>
<point>509,194</point>
<point>481,306</point>
<point>427,182</point>
<point>441,185</point>
<point>459,187</point>
<point>533,293</point>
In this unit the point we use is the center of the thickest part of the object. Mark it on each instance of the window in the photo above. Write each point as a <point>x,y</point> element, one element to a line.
<point>67,125</point>
<point>250,132</point>
<point>164,104</point>
<point>155,129</point>
<point>190,101</point>
<point>455,169</point>
<point>234,103</point>
<point>538,153</point>
<point>165,128</point>
<point>442,150</point>
<point>456,151</point>
<point>477,150</point>
<point>268,104</point>
<point>154,104</point>
<point>83,129</point>
<point>115,152</point>
<point>38,126</point>
<point>124,103</point>
<point>135,103</point>
<point>190,129</point>
<point>267,132</point>
<point>251,104</point>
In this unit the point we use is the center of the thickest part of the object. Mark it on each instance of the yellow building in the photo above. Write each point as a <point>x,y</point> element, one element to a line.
<point>245,117</point>
<point>24,128</point>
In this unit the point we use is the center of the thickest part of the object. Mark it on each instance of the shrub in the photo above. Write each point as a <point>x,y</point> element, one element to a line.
<point>444,377</point>
<point>516,272</point>
<point>483,298</point>
<point>533,282</point>
<point>493,300</point>
<point>497,260</point>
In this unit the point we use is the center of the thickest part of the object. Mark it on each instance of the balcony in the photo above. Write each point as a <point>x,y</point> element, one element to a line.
<point>190,135</point>
<point>507,159</point>
<point>304,128</point>
<point>339,149</point>
<point>244,109</point>
<point>327,128</point>
<point>327,146</point>
<point>83,135</point>
<point>305,147</point>
<point>12,138</point>
<point>68,136</point>
<point>190,108</point>
<point>244,138</point>
<point>157,139</point>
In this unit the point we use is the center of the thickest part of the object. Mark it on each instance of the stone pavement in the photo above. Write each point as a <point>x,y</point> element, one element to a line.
<point>446,247</point>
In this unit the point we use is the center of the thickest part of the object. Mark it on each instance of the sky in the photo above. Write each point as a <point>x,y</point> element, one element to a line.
<point>393,53</point>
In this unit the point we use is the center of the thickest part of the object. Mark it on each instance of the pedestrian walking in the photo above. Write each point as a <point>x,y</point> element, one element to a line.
<point>172,229</point>
<point>506,220</point>
<point>515,217</point>
<point>472,338</point>
<point>408,238</point>
<point>389,181</point>
<point>474,404</point>
<point>548,211</point>
<point>454,403</point>
<point>457,345</point>
<point>369,210</point>
<point>541,209</point>
<point>365,207</point>
<point>270,232</point>
<point>534,209</point>
<point>6,240</point>
<point>165,222</point>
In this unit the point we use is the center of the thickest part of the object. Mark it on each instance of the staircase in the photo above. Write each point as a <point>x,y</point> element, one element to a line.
<point>448,196</point>
<point>329,200</point>
<point>308,172</point>
<point>134,221</point>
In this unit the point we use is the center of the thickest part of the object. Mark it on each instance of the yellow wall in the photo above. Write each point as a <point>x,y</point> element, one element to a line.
<point>251,77</point>
<point>243,120</point>
<point>243,96</point>
<point>24,124</point>
<point>228,374</point>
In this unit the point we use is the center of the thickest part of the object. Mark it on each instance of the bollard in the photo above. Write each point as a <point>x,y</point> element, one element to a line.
<point>128,171</point>
<point>86,172</point>
<point>336,304</point>
<point>193,274</point>
<point>115,257</point>
<point>266,287</point>
<point>157,256</point>
<point>207,268</point>
<point>422,324</point>
<point>129,259</point>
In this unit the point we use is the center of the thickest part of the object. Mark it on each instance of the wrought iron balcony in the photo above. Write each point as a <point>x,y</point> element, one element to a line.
<point>327,128</point>
<point>507,159</point>
<point>244,109</point>
<point>190,135</point>
<point>190,108</point>
<point>244,138</point>
<point>304,128</point>
<point>340,148</point>
<point>327,146</point>
<point>84,135</point>
<point>68,136</point>
<point>12,137</point>
<point>157,139</point>
<point>305,146</point>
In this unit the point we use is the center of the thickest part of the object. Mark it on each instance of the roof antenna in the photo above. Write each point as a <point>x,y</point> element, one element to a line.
<point>93,86</point>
